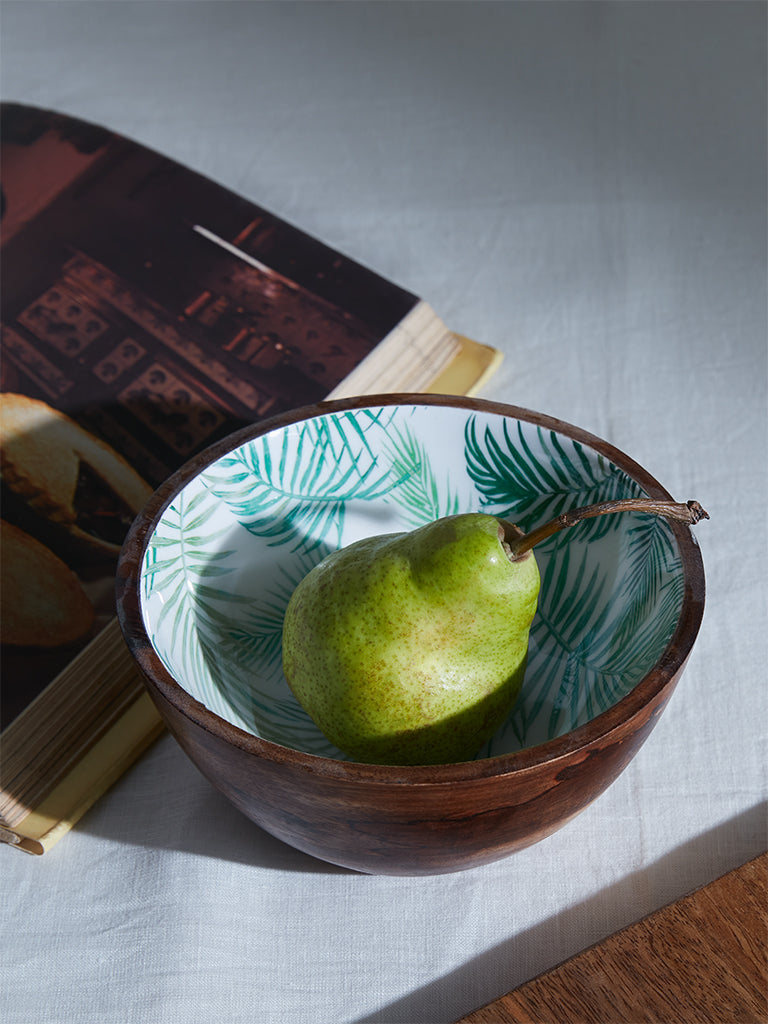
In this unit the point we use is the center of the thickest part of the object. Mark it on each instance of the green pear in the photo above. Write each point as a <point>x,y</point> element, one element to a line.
<point>410,648</point>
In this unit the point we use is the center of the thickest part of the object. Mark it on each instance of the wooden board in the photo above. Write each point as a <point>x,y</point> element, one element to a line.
<point>701,959</point>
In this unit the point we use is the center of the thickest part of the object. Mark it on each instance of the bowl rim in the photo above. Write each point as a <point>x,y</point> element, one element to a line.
<point>646,693</point>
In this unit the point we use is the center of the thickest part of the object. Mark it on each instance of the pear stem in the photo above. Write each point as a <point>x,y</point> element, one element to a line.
<point>689,512</point>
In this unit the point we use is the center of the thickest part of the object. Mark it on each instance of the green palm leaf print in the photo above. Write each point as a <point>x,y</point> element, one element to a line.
<point>422,494</point>
<point>533,479</point>
<point>593,637</point>
<point>183,563</point>
<point>242,650</point>
<point>298,493</point>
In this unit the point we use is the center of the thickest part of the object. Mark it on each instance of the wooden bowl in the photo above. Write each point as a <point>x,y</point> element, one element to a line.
<point>207,568</point>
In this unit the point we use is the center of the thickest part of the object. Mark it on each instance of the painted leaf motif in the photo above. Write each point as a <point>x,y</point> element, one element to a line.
<point>298,493</point>
<point>650,578</point>
<point>242,650</point>
<point>591,643</point>
<point>182,560</point>
<point>532,481</point>
<point>421,493</point>
<point>251,639</point>
<point>592,638</point>
<point>181,553</point>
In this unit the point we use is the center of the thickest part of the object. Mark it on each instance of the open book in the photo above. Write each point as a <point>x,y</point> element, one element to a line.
<point>146,313</point>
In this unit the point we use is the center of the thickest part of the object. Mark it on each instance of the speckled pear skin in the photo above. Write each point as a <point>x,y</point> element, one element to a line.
<point>410,648</point>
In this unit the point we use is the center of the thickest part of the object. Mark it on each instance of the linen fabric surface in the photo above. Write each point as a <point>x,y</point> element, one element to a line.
<point>582,186</point>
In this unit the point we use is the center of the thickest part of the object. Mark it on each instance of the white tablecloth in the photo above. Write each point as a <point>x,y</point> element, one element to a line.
<point>582,186</point>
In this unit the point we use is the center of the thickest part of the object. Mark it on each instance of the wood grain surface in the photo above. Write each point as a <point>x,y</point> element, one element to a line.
<point>700,960</point>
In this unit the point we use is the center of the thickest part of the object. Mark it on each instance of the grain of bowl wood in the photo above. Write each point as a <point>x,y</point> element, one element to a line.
<point>208,566</point>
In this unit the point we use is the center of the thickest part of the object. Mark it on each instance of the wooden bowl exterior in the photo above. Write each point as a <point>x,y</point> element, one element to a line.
<point>380,826</point>
<point>412,820</point>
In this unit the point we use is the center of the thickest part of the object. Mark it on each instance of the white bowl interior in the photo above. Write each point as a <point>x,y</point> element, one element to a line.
<point>228,551</point>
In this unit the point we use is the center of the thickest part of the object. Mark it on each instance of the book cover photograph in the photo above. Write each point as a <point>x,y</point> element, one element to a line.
<point>146,313</point>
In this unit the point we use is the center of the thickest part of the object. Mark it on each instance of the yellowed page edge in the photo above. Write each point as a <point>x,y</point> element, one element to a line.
<point>469,370</point>
<point>104,763</point>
